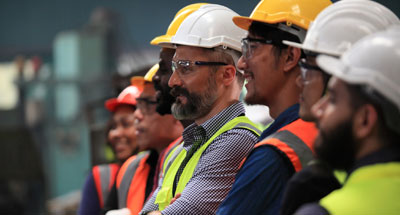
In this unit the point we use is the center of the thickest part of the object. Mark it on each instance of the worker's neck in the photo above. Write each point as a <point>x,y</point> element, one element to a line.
<point>218,106</point>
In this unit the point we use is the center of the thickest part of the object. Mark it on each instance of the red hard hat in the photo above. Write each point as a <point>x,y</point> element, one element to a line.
<point>127,96</point>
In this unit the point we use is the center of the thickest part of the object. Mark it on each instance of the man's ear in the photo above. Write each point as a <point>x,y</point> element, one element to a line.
<point>227,74</point>
<point>292,58</point>
<point>365,121</point>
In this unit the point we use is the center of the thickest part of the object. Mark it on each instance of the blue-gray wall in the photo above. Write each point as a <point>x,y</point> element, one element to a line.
<point>30,26</point>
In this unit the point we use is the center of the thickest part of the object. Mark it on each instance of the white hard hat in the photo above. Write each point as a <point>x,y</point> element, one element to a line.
<point>208,27</point>
<point>343,23</point>
<point>373,61</point>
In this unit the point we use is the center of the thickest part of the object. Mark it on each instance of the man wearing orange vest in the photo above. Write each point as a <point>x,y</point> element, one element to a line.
<point>154,133</point>
<point>271,69</point>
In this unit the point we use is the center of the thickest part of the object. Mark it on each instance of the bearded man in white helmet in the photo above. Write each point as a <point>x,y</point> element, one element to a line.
<point>332,32</point>
<point>359,120</point>
<point>198,174</point>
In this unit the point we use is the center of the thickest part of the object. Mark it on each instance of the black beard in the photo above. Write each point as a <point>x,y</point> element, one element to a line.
<point>337,147</point>
<point>164,100</point>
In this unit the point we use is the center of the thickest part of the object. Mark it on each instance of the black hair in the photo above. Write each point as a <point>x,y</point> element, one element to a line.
<point>271,32</point>
<point>388,113</point>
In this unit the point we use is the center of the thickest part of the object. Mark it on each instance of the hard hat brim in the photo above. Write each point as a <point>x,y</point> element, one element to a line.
<point>112,104</point>
<point>160,39</point>
<point>245,22</point>
<point>305,48</point>
<point>334,67</point>
<point>293,44</point>
<point>152,71</point>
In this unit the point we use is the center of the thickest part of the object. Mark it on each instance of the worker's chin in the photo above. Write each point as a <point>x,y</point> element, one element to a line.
<point>182,111</point>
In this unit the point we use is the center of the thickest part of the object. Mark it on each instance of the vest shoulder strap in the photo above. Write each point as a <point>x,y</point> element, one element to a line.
<point>295,140</point>
<point>104,176</point>
<point>241,122</point>
<point>125,176</point>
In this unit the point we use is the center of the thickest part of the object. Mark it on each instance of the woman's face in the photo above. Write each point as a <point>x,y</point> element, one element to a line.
<point>122,133</point>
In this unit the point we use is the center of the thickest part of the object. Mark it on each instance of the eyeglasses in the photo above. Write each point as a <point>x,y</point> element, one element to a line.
<point>309,72</point>
<point>185,67</point>
<point>146,105</point>
<point>249,45</point>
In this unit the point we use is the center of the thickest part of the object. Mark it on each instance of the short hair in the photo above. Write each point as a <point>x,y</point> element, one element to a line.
<point>388,113</point>
<point>271,32</point>
<point>230,57</point>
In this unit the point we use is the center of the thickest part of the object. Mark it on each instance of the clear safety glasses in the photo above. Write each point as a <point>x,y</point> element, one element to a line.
<point>185,67</point>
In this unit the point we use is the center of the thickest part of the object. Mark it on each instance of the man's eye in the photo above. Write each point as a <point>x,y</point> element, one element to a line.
<point>186,70</point>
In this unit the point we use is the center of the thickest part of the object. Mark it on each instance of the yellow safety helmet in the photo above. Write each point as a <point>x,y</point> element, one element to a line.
<point>298,12</point>
<point>152,71</point>
<point>176,22</point>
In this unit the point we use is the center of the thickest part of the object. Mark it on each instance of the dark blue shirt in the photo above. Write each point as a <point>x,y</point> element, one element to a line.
<point>90,200</point>
<point>259,185</point>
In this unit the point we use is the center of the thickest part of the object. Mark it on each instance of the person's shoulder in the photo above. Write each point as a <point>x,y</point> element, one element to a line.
<point>311,208</point>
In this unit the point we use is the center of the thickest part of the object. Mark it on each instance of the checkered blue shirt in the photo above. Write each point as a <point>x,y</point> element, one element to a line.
<point>217,167</point>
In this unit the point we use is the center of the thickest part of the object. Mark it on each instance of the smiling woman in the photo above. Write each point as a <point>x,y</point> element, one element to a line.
<point>122,139</point>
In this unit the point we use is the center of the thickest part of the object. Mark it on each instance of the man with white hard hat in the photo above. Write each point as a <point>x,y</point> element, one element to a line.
<point>198,174</point>
<point>359,123</point>
<point>332,32</point>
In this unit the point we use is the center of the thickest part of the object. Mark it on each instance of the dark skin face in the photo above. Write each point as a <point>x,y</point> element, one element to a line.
<point>122,133</point>
<point>160,80</point>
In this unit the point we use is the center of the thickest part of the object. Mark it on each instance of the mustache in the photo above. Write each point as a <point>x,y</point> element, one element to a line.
<point>176,91</point>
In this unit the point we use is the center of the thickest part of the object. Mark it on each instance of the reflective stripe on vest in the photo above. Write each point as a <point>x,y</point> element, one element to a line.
<point>295,140</point>
<point>176,157</point>
<point>104,177</point>
<point>131,181</point>
<point>170,150</point>
<point>372,189</point>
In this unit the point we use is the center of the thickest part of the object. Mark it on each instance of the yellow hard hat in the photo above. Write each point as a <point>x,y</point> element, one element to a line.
<point>176,22</point>
<point>298,12</point>
<point>152,71</point>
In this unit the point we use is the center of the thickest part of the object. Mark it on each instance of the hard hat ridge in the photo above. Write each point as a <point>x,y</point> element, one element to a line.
<point>341,24</point>
<point>374,62</point>
<point>208,27</point>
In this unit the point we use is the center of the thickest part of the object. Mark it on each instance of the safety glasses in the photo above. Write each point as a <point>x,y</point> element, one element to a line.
<point>185,67</point>
<point>249,45</point>
<point>309,72</point>
<point>146,105</point>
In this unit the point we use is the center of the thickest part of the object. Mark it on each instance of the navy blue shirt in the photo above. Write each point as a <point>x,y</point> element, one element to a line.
<point>90,200</point>
<point>259,185</point>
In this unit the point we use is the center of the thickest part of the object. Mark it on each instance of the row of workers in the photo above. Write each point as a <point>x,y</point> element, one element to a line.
<point>329,75</point>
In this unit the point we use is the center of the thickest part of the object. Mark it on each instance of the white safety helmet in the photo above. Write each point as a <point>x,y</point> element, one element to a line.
<point>373,62</point>
<point>343,23</point>
<point>209,27</point>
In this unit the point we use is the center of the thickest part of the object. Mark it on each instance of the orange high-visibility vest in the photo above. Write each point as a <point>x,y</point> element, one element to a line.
<point>131,182</point>
<point>104,178</point>
<point>295,140</point>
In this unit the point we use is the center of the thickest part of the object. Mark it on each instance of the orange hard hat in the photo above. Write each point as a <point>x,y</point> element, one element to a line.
<point>127,96</point>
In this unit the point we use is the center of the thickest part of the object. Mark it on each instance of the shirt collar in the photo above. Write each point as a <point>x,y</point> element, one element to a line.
<point>207,129</point>
<point>387,154</point>
<point>289,115</point>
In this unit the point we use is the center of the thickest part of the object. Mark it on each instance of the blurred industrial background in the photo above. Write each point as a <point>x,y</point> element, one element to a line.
<point>59,62</point>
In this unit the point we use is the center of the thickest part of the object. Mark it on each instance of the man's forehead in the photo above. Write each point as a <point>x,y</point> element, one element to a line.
<point>167,53</point>
<point>338,87</point>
